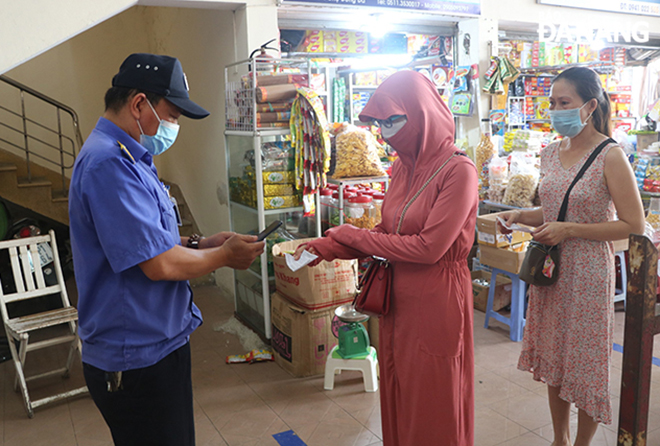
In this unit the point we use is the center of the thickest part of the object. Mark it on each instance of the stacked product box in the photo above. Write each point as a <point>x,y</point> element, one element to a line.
<point>497,250</point>
<point>278,177</point>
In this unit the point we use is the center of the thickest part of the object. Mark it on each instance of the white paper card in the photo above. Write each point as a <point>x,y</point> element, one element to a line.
<point>515,226</point>
<point>305,259</point>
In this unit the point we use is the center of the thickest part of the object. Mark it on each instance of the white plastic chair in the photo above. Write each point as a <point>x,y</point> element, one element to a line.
<point>30,284</point>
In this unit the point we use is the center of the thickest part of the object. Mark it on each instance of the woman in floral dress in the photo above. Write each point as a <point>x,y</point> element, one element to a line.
<point>568,337</point>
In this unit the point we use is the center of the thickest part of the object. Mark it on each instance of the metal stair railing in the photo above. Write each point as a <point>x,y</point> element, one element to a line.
<point>66,146</point>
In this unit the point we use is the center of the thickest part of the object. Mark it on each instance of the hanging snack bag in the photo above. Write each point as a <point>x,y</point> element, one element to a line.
<point>357,154</point>
<point>485,151</point>
<point>498,172</point>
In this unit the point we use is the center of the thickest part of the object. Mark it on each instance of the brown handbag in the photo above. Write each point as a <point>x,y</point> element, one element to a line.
<point>375,287</point>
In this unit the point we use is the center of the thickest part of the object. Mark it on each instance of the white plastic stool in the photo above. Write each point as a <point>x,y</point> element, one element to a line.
<point>367,365</point>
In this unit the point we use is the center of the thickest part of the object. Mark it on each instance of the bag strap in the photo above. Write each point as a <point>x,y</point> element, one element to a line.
<point>594,154</point>
<point>403,213</point>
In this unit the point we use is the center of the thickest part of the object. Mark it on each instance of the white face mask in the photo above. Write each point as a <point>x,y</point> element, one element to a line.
<point>388,132</point>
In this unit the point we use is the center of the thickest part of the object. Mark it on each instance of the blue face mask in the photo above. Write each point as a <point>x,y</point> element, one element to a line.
<point>568,122</point>
<point>164,137</point>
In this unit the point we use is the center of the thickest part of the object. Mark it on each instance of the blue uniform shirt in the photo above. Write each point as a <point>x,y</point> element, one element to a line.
<point>120,215</point>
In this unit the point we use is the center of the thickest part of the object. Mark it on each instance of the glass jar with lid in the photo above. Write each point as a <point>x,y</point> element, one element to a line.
<point>360,212</point>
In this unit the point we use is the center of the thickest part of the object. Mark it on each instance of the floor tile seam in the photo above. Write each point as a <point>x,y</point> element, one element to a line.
<point>211,421</point>
<point>493,405</point>
<point>512,421</point>
<point>515,383</point>
<point>272,409</point>
<point>356,420</point>
<point>73,426</point>
<point>519,436</point>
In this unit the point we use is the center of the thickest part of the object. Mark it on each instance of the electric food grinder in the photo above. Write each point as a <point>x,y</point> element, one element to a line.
<point>353,337</point>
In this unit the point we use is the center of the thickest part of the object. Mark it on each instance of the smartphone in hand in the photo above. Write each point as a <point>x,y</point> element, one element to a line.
<point>269,230</point>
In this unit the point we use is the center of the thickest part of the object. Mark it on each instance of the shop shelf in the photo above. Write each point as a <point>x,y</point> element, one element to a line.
<point>360,180</point>
<point>258,132</point>
<point>595,65</point>
<point>267,211</point>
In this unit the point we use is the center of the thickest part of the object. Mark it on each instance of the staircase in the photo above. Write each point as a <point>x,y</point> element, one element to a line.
<point>35,127</point>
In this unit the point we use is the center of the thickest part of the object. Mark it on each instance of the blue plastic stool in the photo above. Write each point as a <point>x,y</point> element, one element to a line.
<point>518,291</point>
<point>620,294</point>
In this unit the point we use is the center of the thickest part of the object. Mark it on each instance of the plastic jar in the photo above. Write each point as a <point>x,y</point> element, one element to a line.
<point>360,212</point>
<point>378,205</point>
<point>335,212</point>
<point>653,217</point>
<point>326,205</point>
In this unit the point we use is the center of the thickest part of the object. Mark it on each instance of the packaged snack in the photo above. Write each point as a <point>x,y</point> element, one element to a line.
<point>357,154</point>
<point>287,201</point>
<point>251,357</point>
<point>485,151</point>
<point>521,190</point>
<point>275,93</point>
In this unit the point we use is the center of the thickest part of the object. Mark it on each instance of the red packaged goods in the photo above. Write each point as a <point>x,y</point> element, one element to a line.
<point>265,80</point>
<point>275,93</point>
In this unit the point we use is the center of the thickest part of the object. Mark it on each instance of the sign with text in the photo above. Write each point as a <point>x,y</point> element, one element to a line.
<point>460,7</point>
<point>643,7</point>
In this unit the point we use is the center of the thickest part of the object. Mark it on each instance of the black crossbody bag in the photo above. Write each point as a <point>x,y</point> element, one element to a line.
<point>541,264</point>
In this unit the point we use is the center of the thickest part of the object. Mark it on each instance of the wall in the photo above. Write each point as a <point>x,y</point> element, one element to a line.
<point>204,42</point>
<point>28,28</point>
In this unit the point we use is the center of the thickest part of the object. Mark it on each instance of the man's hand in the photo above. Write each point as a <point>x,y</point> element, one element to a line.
<point>216,240</point>
<point>242,250</point>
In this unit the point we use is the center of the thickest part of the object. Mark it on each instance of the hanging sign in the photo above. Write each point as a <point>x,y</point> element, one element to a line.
<point>459,7</point>
<point>643,7</point>
<point>622,32</point>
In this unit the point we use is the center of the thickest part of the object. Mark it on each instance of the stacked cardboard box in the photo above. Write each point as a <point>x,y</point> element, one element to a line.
<point>302,310</point>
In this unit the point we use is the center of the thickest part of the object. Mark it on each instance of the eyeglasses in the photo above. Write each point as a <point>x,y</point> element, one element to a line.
<point>387,123</point>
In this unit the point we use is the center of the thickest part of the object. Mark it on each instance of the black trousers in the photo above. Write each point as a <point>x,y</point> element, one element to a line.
<point>154,405</point>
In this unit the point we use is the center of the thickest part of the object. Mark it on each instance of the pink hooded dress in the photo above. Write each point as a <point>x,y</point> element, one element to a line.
<point>426,344</point>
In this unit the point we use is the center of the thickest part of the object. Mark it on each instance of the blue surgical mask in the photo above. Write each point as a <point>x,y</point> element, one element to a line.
<point>164,137</point>
<point>388,132</point>
<point>568,122</point>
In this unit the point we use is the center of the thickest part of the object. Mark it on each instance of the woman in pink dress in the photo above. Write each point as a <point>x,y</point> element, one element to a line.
<point>568,337</point>
<point>426,346</point>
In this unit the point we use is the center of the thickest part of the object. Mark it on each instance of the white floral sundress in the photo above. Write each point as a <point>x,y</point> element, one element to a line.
<point>568,337</point>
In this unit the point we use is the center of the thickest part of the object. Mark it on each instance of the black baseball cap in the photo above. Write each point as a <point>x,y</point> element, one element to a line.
<point>162,75</point>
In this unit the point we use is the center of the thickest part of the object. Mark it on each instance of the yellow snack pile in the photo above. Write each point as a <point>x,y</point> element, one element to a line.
<point>357,155</point>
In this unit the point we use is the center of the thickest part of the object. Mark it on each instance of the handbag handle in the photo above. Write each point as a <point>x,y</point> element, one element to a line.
<point>405,209</point>
<point>594,154</point>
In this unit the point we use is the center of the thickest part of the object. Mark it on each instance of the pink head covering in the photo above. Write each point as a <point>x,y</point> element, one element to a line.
<point>429,132</point>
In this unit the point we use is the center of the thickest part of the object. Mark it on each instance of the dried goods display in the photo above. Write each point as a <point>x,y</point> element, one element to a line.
<point>357,154</point>
<point>521,190</point>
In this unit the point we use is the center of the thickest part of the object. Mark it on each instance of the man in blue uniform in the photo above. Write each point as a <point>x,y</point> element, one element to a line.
<point>136,310</point>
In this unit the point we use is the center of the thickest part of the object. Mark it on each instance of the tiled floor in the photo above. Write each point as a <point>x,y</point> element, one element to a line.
<point>247,404</point>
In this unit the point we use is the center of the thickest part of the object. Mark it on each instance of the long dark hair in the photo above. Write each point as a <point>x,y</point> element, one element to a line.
<point>588,86</point>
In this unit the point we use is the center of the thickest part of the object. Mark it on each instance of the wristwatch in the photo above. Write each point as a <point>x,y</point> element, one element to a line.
<point>193,241</point>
